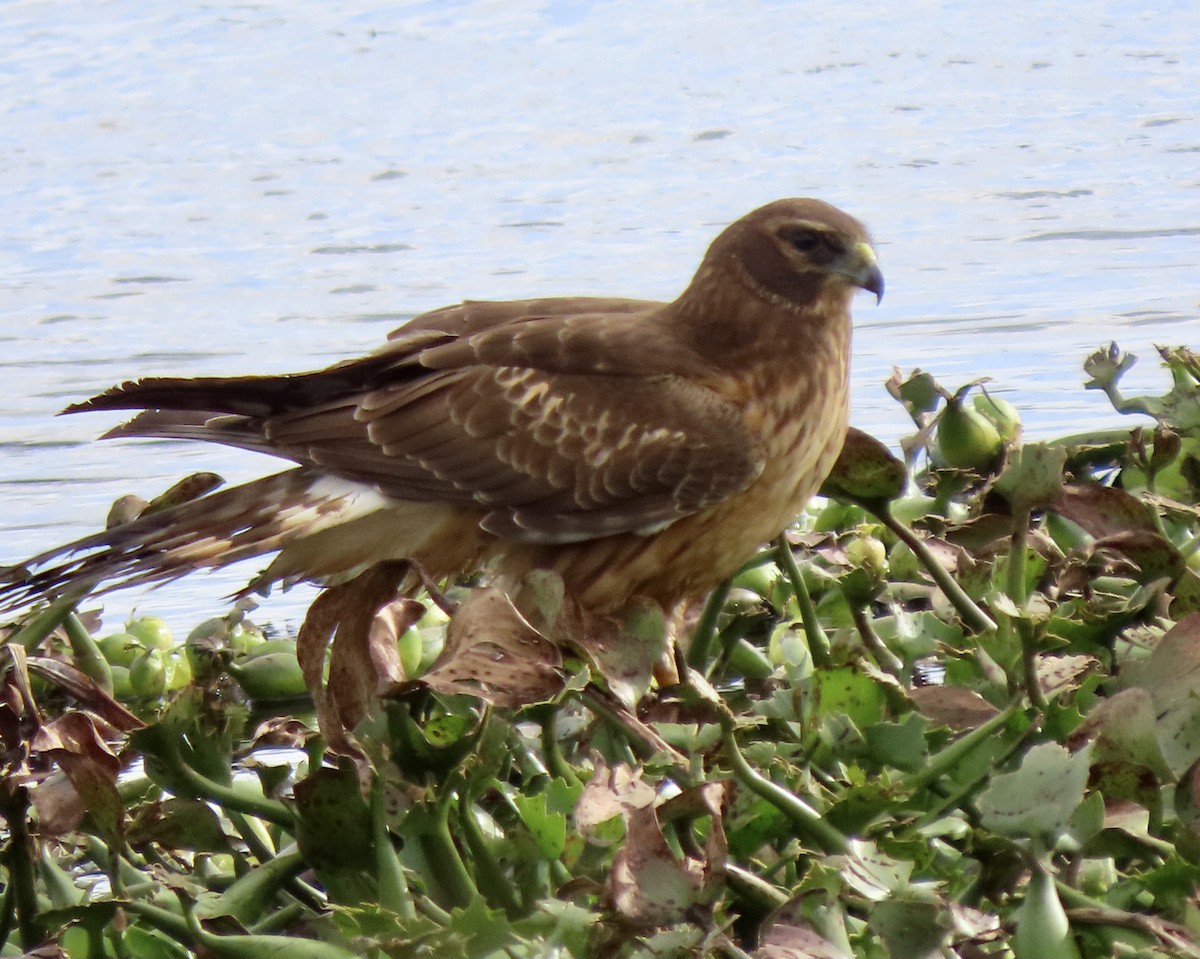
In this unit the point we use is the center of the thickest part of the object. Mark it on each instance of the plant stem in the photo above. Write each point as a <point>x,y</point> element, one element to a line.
<point>972,615</point>
<point>818,642</point>
<point>18,857</point>
<point>1033,689</point>
<point>885,659</point>
<point>807,819</point>
<point>490,878</point>
<point>958,750</point>
<point>1018,555</point>
<point>45,622</point>
<point>393,886</point>
<point>271,810</point>
<point>444,859</point>
<point>700,647</point>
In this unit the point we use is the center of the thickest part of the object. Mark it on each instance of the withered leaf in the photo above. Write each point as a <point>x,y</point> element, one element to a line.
<point>1103,510</point>
<point>492,652</point>
<point>952,706</point>
<point>343,614</point>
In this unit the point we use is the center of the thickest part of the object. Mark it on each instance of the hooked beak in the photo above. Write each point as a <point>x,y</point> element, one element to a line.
<point>862,269</point>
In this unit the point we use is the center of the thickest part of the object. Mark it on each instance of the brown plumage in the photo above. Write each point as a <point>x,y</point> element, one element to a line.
<point>639,449</point>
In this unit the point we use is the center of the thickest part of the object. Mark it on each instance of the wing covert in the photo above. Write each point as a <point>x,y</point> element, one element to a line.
<point>551,457</point>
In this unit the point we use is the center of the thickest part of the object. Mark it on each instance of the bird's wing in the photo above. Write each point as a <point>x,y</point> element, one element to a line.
<point>550,457</point>
<point>559,427</point>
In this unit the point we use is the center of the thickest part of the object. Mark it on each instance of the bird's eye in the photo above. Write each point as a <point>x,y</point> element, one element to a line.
<point>806,241</point>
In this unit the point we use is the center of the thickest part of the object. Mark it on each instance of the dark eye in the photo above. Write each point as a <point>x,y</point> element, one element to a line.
<point>803,240</point>
<point>810,241</point>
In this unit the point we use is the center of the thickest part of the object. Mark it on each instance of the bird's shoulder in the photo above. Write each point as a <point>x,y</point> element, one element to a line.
<point>568,335</point>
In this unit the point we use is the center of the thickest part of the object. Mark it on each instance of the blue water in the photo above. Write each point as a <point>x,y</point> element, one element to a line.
<point>198,189</point>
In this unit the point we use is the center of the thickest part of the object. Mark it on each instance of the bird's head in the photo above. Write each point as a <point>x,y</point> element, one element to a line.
<point>797,252</point>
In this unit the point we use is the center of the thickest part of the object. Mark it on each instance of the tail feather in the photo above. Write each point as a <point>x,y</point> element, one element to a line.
<point>223,527</point>
<point>243,432</point>
<point>247,395</point>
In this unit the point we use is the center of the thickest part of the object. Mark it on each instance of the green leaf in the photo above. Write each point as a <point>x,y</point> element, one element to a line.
<point>1039,798</point>
<point>334,832</point>
<point>1032,477</point>
<point>548,827</point>
<point>872,873</point>
<point>851,692</point>
<point>865,471</point>
<point>485,931</point>
<point>1172,677</point>
<point>912,929</point>
<point>901,745</point>
<point>180,824</point>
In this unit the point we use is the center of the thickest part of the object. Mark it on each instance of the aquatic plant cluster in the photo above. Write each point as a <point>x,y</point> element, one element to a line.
<point>949,713</point>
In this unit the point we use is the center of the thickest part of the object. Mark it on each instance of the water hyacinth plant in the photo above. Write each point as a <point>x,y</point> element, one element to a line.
<point>950,713</point>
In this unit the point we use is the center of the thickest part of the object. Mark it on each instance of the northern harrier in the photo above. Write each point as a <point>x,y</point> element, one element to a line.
<point>640,450</point>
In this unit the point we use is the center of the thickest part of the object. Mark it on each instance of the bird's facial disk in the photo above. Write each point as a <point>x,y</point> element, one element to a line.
<point>813,247</point>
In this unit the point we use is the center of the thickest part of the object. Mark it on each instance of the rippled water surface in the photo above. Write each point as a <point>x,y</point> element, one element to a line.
<point>259,188</point>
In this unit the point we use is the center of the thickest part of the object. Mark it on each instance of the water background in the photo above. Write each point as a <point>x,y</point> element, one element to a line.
<point>236,188</point>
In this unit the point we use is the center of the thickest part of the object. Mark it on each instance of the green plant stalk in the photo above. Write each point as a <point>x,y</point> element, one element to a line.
<point>444,860</point>
<point>496,887</point>
<point>227,797</point>
<point>807,820</point>
<point>942,762</point>
<point>7,913</point>
<point>956,799</point>
<point>747,660</point>
<point>18,856</point>
<point>164,920</point>
<point>639,740</point>
<point>885,659</point>
<point>116,882</point>
<point>88,658</point>
<point>393,886</point>
<point>700,648</point>
<point>249,895</point>
<point>136,790</point>
<point>262,946</point>
<point>49,619</point>
<point>59,885</point>
<point>559,768</point>
<point>252,834</point>
<point>818,642</point>
<point>972,615</point>
<point>427,907</point>
<point>281,918</point>
<point>726,947</point>
<point>1033,689</point>
<point>762,895</point>
<point>1018,560</point>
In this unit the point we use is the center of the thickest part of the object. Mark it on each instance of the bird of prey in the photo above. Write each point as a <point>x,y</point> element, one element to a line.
<point>639,450</point>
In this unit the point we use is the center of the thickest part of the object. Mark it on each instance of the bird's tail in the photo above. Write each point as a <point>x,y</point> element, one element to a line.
<point>223,527</point>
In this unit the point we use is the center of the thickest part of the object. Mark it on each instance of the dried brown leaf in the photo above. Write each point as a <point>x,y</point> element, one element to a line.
<point>343,615</point>
<point>618,791</point>
<point>389,624</point>
<point>952,706</point>
<point>647,885</point>
<point>59,806</point>
<point>1059,674</point>
<point>1103,510</point>
<point>787,941</point>
<point>1154,557</point>
<point>492,652</point>
<point>75,741</point>
<point>84,689</point>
